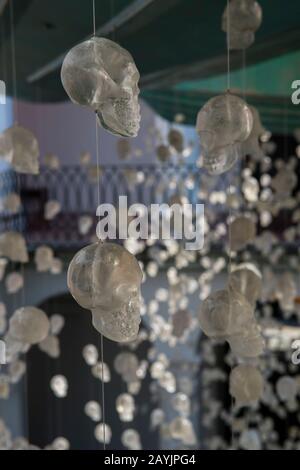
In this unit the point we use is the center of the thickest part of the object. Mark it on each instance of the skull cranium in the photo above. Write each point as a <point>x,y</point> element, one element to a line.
<point>100,74</point>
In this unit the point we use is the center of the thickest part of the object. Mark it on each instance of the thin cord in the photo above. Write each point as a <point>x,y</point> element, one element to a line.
<point>94,18</point>
<point>228,45</point>
<point>13,53</point>
<point>98,188</point>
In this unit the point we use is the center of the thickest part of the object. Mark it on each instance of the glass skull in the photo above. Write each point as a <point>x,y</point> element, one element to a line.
<point>225,313</point>
<point>105,278</point>
<point>100,74</point>
<point>245,19</point>
<point>29,325</point>
<point>20,148</point>
<point>223,123</point>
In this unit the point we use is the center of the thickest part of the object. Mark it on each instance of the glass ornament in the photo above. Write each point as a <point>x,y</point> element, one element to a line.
<point>57,322</point>
<point>56,266</point>
<point>14,282</point>
<point>85,224</point>
<point>225,313</point>
<point>223,123</point>
<point>52,208</point>
<point>250,440</point>
<point>60,443</point>
<point>176,140</point>
<point>11,203</point>
<point>126,364</point>
<point>59,386</point>
<point>284,182</point>
<point>106,278</point>
<point>163,153</point>
<point>19,148</point>
<point>103,433</point>
<point>181,322</point>
<point>90,354</point>
<point>242,231</point>
<point>16,370</point>
<point>245,17</point>
<point>50,346</point>
<point>101,371</point>
<point>29,325</point>
<point>247,280</point>
<point>182,429</point>
<point>286,388</point>
<point>125,407</point>
<point>249,344</point>
<point>101,75</point>
<point>181,403</point>
<point>130,438</point>
<point>246,384</point>
<point>43,258</point>
<point>52,161</point>
<point>13,246</point>
<point>93,410</point>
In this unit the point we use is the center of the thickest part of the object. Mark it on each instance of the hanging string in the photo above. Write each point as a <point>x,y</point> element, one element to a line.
<point>13,53</point>
<point>228,45</point>
<point>98,189</point>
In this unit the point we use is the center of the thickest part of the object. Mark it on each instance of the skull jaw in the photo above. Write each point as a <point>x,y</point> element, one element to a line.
<point>120,117</point>
<point>121,325</point>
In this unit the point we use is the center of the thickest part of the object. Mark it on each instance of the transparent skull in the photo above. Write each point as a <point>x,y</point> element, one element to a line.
<point>100,74</point>
<point>246,384</point>
<point>125,406</point>
<point>93,410</point>
<point>29,325</point>
<point>130,438</point>
<point>223,123</point>
<point>225,313</point>
<point>247,280</point>
<point>106,278</point>
<point>245,17</point>
<point>59,386</point>
<point>242,231</point>
<point>13,246</point>
<point>19,147</point>
<point>43,258</point>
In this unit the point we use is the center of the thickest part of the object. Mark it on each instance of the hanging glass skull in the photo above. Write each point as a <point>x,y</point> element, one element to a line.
<point>105,278</point>
<point>13,246</point>
<point>247,280</point>
<point>223,123</point>
<point>245,17</point>
<point>19,147</point>
<point>242,231</point>
<point>43,258</point>
<point>225,313</point>
<point>100,74</point>
<point>29,325</point>
<point>246,384</point>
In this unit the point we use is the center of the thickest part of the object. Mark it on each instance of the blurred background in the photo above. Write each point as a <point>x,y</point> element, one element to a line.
<point>174,381</point>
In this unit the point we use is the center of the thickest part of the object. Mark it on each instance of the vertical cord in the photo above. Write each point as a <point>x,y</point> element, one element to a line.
<point>229,191</point>
<point>13,53</point>
<point>228,45</point>
<point>98,189</point>
<point>18,179</point>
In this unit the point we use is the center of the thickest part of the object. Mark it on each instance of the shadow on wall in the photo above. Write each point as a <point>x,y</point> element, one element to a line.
<point>50,417</point>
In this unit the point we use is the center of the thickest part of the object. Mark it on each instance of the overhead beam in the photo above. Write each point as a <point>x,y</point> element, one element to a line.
<point>275,46</point>
<point>121,19</point>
